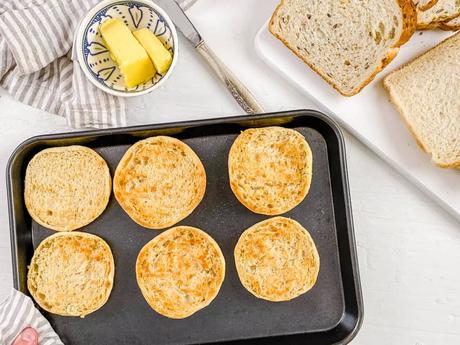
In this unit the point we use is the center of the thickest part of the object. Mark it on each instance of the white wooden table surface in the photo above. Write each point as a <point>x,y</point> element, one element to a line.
<point>408,247</point>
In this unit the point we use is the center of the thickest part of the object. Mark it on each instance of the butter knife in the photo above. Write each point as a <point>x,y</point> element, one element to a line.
<point>239,92</point>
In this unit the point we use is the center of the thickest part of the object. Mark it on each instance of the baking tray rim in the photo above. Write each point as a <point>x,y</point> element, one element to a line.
<point>239,119</point>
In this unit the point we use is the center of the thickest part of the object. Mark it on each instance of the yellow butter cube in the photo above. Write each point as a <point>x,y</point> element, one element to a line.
<point>160,56</point>
<point>131,58</point>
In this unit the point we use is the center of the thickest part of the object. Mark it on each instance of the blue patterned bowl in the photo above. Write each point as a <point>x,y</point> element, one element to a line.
<point>93,55</point>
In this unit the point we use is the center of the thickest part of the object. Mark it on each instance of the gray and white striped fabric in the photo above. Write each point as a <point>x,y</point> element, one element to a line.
<point>18,312</point>
<point>36,65</point>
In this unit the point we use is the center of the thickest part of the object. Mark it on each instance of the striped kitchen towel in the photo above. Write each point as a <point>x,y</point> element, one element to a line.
<point>36,65</point>
<point>18,312</point>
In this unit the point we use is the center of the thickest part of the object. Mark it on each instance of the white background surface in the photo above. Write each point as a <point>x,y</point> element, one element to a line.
<point>408,247</point>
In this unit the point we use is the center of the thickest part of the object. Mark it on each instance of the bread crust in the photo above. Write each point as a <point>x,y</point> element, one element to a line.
<point>277,259</point>
<point>409,16</point>
<point>159,181</point>
<point>440,22</point>
<point>428,5</point>
<point>270,169</point>
<point>180,271</point>
<point>78,250</point>
<point>448,26</point>
<point>49,204</point>
<point>393,99</point>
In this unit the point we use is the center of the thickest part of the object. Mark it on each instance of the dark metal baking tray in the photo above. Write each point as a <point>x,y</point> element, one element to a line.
<point>330,313</point>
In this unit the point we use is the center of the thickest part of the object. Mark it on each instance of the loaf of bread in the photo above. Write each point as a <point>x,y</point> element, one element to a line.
<point>442,11</point>
<point>426,92</point>
<point>347,42</point>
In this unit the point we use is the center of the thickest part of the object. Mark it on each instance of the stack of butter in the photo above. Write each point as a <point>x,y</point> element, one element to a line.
<point>139,54</point>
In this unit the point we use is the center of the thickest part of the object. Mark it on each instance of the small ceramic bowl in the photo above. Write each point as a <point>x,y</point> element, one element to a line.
<point>93,55</point>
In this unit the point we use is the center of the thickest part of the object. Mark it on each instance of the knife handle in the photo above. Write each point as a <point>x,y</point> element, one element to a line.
<point>241,94</point>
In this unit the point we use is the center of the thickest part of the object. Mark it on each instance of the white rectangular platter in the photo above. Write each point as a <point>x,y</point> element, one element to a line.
<point>370,116</point>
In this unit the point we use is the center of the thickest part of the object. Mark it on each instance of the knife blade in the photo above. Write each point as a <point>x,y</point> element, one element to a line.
<point>237,89</point>
<point>180,19</point>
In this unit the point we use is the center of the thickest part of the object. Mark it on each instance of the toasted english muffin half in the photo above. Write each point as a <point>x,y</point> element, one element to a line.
<point>67,188</point>
<point>180,271</point>
<point>159,181</point>
<point>277,260</point>
<point>270,169</point>
<point>71,273</point>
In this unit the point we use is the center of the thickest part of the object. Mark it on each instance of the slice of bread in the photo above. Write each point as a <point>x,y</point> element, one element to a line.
<point>424,5</point>
<point>426,93</point>
<point>347,42</point>
<point>451,25</point>
<point>442,11</point>
<point>71,273</point>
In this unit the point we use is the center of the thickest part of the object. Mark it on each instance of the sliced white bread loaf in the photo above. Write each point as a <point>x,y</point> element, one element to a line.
<point>451,25</point>
<point>347,42</point>
<point>424,5</point>
<point>427,94</point>
<point>442,11</point>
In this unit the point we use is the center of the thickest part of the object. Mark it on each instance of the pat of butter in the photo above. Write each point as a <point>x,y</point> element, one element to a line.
<point>131,58</point>
<point>160,56</point>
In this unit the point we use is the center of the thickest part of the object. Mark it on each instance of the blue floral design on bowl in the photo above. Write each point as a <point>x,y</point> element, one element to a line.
<point>94,57</point>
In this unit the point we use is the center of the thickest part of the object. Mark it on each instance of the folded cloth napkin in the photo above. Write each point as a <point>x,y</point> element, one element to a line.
<point>36,65</point>
<point>18,312</point>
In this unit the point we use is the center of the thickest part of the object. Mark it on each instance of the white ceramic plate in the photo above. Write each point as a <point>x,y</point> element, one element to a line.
<point>370,116</point>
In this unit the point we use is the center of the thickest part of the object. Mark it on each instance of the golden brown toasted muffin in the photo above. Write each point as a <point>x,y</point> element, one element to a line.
<point>159,181</point>
<point>180,271</point>
<point>71,273</point>
<point>270,169</point>
<point>67,188</point>
<point>277,259</point>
